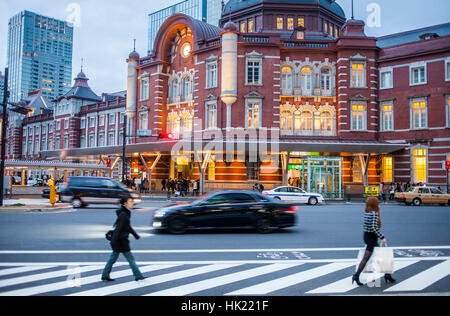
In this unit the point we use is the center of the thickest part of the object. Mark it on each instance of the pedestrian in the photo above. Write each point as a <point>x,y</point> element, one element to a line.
<point>120,243</point>
<point>163,184</point>
<point>372,226</point>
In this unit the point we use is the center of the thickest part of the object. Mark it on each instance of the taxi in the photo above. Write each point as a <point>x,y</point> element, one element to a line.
<point>423,195</point>
<point>294,194</point>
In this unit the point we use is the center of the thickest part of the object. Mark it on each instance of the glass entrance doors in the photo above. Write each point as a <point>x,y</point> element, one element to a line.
<point>317,174</point>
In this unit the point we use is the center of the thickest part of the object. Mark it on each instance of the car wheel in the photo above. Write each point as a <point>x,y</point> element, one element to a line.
<point>417,202</point>
<point>77,203</point>
<point>176,225</point>
<point>263,226</point>
<point>313,201</point>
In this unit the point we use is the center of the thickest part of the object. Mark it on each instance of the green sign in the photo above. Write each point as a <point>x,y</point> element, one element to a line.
<point>302,153</point>
<point>295,167</point>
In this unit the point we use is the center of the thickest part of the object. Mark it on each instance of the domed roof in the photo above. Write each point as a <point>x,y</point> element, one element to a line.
<point>331,5</point>
<point>231,26</point>
<point>134,56</point>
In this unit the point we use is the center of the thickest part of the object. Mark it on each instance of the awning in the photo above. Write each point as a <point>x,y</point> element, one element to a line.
<point>283,145</point>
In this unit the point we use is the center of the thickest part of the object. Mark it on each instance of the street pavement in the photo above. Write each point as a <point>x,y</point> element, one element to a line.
<point>64,254</point>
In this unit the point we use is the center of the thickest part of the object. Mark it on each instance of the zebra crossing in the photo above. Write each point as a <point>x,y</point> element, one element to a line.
<point>222,278</point>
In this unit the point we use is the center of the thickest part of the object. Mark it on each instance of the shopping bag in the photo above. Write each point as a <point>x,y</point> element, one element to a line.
<point>383,260</point>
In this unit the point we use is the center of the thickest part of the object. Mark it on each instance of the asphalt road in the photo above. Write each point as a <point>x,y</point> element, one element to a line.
<point>319,254</point>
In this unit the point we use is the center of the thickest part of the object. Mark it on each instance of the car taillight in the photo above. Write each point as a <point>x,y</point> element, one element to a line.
<point>403,196</point>
<point>292,209</point>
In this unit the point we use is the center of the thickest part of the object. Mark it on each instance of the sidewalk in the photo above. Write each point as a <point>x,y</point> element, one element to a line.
<point>30,205</point>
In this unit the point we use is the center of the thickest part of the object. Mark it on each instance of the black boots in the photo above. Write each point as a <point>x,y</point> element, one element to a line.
<point>388,278</point>
<point>355,278</point>
<point>107,279</point>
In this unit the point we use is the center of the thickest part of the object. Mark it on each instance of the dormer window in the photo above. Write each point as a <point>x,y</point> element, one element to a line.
<point>428,36</point>
<point>279,23</point>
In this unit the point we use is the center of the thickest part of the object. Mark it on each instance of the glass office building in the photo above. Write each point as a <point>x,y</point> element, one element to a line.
<point>39,55</point>
<point>208,11</point>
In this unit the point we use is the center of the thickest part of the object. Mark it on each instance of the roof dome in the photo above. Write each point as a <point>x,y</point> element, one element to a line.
<point>134,56</point>
<point>231,27</point>
<point>331,5</point>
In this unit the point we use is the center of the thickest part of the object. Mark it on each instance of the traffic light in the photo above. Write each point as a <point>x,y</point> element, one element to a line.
<point>168,136</point>
<point>108,163</point>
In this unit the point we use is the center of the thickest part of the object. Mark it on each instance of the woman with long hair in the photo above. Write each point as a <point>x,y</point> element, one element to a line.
<point>372,226</point>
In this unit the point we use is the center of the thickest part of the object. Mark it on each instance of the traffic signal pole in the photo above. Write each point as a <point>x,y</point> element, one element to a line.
<point>4,122</point>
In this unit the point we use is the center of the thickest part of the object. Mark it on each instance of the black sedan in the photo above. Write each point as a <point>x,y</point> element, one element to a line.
<point>227,209</point>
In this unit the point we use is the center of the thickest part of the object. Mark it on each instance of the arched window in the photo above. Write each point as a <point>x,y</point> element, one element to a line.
<point>286,120</point>
<point>286,80</point>
<point>326,121</point>
<point>173,125</point>
<point>306,79</point>
<point>186,124</point>
<point>306,122</point>
<point>325,79</point>
<point>186,86</point>
<point>173,90</point>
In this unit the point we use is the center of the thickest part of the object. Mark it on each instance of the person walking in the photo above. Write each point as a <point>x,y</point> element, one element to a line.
<point>120,243</point>
<point>372,226</point>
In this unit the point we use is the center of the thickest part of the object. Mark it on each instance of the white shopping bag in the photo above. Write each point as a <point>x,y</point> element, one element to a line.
<point>381,261</point>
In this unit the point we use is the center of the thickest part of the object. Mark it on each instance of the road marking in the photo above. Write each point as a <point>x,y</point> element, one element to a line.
<point>20,269</point>
<point>36,290</point>
<point>424,279</point>
<point>222,280</point>
<point>154,280</point>
<point>43,276</point>
<point>290,280</point>
<point>25,252</point>
<point>345,285</point>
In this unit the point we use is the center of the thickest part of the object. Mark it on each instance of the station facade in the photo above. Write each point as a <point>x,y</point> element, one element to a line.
<point>323,106</point>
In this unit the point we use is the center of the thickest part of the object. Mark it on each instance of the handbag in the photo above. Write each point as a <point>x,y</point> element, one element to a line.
<point>381,261</point>
<point>109,235</point>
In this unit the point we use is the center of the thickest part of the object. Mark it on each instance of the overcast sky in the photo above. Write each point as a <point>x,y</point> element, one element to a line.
<point>107,28</point>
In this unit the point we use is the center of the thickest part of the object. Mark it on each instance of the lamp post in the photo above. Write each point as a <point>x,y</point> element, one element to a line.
<point>4,122</point>
<point>124,141</point>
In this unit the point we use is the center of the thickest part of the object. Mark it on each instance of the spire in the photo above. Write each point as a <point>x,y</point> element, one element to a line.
<point>81,64</point>
<point>353,15</point>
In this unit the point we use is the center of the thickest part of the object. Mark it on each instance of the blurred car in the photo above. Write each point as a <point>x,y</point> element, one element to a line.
<point>294,194</point>
<point>82,191</point>
<point>423,195</point>
<point>45,193</point>
<point>226,209</point>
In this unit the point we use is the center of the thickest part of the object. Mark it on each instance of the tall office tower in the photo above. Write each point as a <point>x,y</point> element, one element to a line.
<point>39,55</point>
<point>208,11</point>
<point>2,82</point>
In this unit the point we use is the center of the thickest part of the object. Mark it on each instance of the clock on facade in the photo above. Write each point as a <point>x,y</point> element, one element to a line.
<point>186,50</point>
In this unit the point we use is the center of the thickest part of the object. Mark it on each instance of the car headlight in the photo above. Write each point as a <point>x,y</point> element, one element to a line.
<point>160,213</point>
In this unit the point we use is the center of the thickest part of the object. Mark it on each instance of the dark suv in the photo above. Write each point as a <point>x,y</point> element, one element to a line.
<point>81,191</point>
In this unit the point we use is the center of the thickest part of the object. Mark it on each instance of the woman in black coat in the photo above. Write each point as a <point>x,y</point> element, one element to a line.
<point>120,243</point>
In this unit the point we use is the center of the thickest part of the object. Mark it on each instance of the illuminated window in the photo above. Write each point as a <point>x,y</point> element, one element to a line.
<point>387,116</point>
<point>186,124</point>
<point>211,115</point>
<point>243,27</point>
<point>286,120</point>
<point>325,27</point>
<point>253,113</point>
<point>300,35</point>
<point>251,26</point>
<point>387,170</point>
<point>419,165</point>
<point>301,22</point>
<point>290,23</point>
<point>358,117</point>
<point>331,29</point>
<point>419,114</point>
<point>279,23</point>
<point>173,124</point>
<point>358,75</point>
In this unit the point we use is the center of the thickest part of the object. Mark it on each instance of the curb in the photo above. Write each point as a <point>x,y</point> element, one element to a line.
<point>36,209</point>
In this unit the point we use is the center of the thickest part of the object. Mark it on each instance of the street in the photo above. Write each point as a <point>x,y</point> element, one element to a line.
<point>63,254</point>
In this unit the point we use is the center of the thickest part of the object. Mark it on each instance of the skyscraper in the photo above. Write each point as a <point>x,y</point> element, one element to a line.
<point>208,11</point>
<point>39,55</point>
<point>2,82</point>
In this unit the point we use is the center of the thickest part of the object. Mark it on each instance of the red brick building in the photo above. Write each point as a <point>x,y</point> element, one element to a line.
<point>324,106</point>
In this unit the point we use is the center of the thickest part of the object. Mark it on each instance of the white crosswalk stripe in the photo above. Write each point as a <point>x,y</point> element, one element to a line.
<point>263,278</point>
<point>345,285</point>
<point>281,283</point>
<point>423,279</point>
<point>222,280</point>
